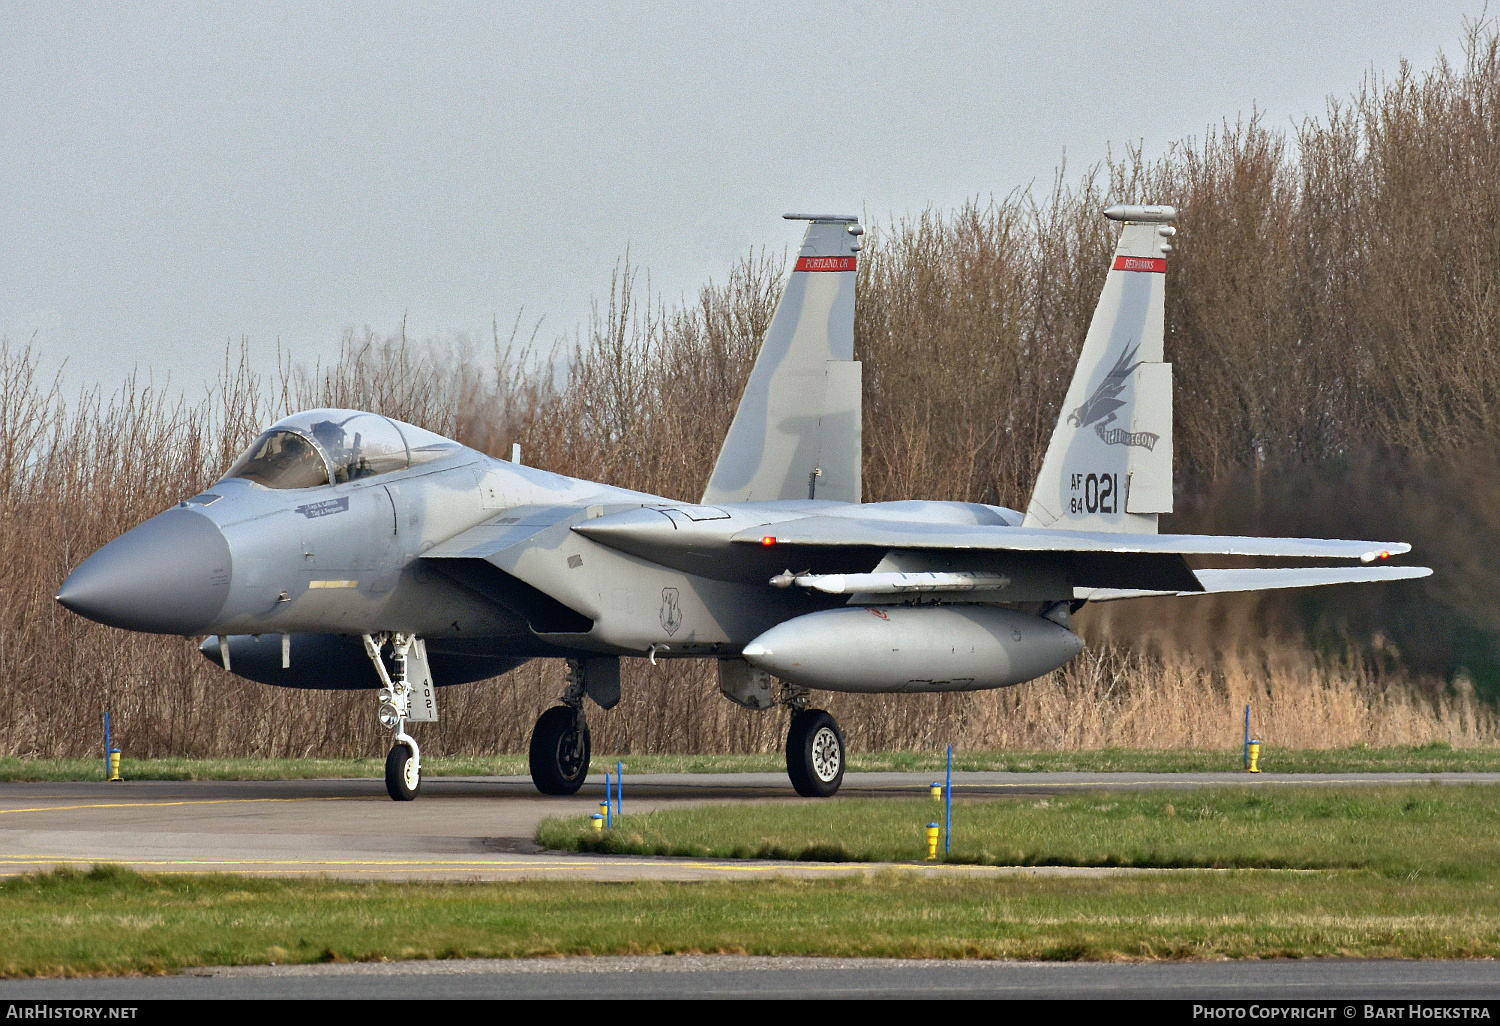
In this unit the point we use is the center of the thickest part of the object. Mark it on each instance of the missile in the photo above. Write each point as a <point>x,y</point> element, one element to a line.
<point>877,649</point>
<point>890,583</point>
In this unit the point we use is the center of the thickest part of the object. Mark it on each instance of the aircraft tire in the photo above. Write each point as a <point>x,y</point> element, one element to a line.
<point>401,775</point>
<point>815,754</point>
<point>560,752</point>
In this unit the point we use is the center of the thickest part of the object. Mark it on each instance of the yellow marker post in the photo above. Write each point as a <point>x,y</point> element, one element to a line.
<point>598,819</point>
<point>937,791</point>
<point>932,840</point>
<point>1254,756</point>
<point>114,766</point>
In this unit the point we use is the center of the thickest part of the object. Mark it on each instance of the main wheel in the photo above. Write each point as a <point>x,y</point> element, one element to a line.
<point>815,754</point>
<point>402,776</point>
<point>559,751</point>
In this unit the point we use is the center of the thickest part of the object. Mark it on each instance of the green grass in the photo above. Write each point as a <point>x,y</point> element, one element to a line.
<point>112,921</point>
<point>1384,872</point>
<point>1429,830</point>
<point>1431,758</point>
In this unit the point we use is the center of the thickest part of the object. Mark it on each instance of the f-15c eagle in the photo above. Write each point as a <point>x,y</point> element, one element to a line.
<point>347,550</point>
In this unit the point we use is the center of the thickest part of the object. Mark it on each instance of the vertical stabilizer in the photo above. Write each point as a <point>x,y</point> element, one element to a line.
<point>1109,464</point>
<point>796,433</point>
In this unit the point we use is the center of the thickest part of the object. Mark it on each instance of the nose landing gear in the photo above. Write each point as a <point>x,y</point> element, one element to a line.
<point>406,697</point>
<point>403,771</point>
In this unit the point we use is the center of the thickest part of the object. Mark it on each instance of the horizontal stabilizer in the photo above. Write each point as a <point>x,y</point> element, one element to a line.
<point>1218,582</point>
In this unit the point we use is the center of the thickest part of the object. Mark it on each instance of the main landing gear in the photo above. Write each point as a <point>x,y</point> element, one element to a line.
<point>814,742</point>
<point>814,748</point>
<point>560,751</point>
<point>560,746</point>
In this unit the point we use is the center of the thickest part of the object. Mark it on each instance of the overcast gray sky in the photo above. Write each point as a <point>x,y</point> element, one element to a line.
<point>175,176</point>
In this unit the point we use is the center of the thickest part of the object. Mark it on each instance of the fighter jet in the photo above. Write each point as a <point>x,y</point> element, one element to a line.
<point>348,550</point>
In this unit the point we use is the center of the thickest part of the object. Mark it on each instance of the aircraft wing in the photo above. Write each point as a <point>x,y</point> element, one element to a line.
<point>845,531</point>
<point>1217,582</point>
<point>839,540</point>
<point>1121,565</point>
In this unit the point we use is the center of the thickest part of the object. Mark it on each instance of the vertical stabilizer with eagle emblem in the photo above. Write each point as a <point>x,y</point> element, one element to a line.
<point>1109,464</point>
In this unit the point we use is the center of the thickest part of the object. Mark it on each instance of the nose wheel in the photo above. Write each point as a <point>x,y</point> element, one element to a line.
<point>403,773</point>
<point>815,754</point>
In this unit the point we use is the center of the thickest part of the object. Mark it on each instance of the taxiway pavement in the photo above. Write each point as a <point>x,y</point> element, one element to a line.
<point>471,828</point>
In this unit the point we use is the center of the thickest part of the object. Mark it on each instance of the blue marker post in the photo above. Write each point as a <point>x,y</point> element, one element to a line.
<point>1247,736</point>
<point>948,806</point>
<point>608,809</point>
<point>111,756</point>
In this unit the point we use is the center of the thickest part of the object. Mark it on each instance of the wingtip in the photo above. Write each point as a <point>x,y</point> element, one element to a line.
<point>1384,552</point>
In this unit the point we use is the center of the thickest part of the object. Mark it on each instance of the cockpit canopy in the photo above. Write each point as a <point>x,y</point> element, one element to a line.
<point>322,447</point>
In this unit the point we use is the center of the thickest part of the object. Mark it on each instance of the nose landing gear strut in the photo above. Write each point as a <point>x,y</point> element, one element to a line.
<point>405,697</point>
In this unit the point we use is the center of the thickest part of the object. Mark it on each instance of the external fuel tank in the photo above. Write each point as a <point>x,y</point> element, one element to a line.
<point>874,649</point>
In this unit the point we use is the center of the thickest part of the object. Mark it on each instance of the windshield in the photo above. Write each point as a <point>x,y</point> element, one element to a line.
<point>320,447</point>
<point>281,459</point>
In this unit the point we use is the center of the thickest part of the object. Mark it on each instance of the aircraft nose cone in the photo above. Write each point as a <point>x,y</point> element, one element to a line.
<point>168,576</point>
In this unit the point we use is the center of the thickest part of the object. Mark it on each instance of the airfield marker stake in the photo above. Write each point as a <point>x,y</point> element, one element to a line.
<point>1247,735</point>
<point>937,790</point>
<point>1254,756</point>
<point>619,788</point>
<point>932,836</point>
<point>948,806</point>
<point>598,823</point>
<point>111,757</point>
